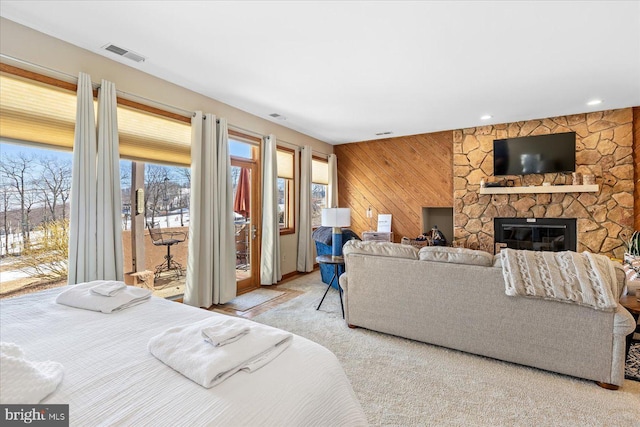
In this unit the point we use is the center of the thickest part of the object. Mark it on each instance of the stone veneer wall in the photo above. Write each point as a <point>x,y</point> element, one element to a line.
<point>604,147</point>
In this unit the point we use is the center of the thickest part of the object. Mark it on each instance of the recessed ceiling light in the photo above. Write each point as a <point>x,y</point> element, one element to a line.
<point>595,102</point>
<point>486,117</point>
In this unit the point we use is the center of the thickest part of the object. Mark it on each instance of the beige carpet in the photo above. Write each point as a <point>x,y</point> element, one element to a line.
<point>251,299</point>
<point>401,382</point>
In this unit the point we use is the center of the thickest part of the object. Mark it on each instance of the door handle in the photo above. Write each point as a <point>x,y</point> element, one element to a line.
<point>254,230</point>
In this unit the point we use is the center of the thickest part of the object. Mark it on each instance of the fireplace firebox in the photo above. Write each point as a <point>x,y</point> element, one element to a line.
<point>537,234</point>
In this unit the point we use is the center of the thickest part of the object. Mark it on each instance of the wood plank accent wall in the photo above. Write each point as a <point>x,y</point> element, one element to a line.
<point>636,167</point>
<point>397,176</point>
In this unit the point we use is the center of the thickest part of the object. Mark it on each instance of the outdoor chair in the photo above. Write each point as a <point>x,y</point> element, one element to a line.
<point>168,239</point>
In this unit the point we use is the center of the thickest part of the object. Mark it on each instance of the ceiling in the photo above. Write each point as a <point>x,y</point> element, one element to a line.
<point>343,71</point>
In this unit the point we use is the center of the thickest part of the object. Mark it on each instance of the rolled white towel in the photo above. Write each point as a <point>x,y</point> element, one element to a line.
<point>107,288</point>
<point>24,381</point>
<point>224,333</point>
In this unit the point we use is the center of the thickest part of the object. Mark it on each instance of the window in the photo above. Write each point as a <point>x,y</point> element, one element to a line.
<point>37,122</point>
<point>35,187</point>
<point>157,145</point>
<point>39,112</point>
<point>286,191</point>
<point>319,187</point>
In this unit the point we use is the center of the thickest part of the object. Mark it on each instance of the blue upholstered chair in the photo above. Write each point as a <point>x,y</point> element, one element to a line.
<point>323,238</point>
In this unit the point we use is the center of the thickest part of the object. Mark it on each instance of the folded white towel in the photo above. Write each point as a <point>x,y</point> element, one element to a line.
<point>183,349</point>
<point>107,288</point>
<point>80,296</point>
<point>24,381</point>
<point>224,333</point>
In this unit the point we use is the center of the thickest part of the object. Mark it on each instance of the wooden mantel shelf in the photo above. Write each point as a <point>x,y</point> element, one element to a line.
<point>541,189</point>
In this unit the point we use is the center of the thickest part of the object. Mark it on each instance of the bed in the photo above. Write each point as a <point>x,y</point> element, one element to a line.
<point>110,378</point>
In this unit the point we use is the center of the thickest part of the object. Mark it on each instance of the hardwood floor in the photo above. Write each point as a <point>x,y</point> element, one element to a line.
<point>289,294</point>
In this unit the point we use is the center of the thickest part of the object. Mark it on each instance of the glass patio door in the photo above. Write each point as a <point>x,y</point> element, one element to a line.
<point>247,214</point>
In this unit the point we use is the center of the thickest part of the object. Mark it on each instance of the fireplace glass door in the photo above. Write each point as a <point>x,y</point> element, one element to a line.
<point>548,234</point>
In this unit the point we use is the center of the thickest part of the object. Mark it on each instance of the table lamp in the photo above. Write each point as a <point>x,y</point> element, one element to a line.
<point>336,218</point>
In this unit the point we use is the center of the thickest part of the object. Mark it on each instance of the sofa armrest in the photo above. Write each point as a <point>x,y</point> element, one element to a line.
<point>623,322</point>
<point>343,280</point>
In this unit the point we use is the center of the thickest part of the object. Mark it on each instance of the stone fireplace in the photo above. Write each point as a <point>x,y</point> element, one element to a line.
<point>604,147</point>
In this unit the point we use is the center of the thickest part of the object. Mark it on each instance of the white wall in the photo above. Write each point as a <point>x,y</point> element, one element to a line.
<point>28,45</point>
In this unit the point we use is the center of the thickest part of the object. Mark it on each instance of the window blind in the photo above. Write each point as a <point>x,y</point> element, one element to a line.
<point>35,112</point>
<point>285,164</point>
<point>40,113</point>
<point>319,172</point>
<point>151,138</point>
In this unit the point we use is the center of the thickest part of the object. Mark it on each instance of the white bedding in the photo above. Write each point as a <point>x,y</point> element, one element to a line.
<point>110,378</point>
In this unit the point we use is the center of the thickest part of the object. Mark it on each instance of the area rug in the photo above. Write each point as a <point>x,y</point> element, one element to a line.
<point>252,299</point>
<point>400,382</point>
<point>632,367</point>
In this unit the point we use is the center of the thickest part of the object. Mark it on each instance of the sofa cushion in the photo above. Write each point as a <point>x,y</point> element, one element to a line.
<point>455,255</point>
<point>387,249</point>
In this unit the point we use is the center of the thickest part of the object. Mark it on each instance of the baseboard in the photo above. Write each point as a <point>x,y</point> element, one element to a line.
<point>294,274</point>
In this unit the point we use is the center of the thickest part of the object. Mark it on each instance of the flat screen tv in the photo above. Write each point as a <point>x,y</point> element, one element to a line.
<point>535,154</point>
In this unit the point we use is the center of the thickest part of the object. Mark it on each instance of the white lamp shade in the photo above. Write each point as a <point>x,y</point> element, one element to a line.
<point>336,217</point>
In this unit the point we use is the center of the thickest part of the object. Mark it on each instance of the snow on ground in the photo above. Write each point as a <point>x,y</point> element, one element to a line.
<point>7,276</point>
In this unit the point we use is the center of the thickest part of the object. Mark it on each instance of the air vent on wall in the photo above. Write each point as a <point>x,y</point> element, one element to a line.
<point>124,52</point>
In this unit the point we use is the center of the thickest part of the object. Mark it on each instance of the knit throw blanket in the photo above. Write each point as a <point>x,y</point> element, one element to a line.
<point>585,279</point>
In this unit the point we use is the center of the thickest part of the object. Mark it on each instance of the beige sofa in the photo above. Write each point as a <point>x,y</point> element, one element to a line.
<point>455,297</point>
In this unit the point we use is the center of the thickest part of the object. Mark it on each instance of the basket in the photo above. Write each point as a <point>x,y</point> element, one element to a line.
<point>415,243</point>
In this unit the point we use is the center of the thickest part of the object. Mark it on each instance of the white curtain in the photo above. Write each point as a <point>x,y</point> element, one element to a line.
<point>305,244</point>
<point>332,188</point>
<point>270,267</point>
<point>110,265</point>
<point>82,215</point>
<point>211,263</point>
<point>95,234</point>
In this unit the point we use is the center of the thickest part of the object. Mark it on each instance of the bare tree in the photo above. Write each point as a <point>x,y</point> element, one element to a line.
<point>31,199</point>
<point>17,170</point>
<point>125,190</point>
<point>185,174</point>
<point>183,178</point>
<point>155,177</point>
<point>55,184</point>
<point>5,200</point>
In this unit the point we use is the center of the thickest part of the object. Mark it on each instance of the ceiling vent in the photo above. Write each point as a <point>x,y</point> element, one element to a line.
<point>124,52</point>
<point>277,116</point>
<point>384,133</point>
